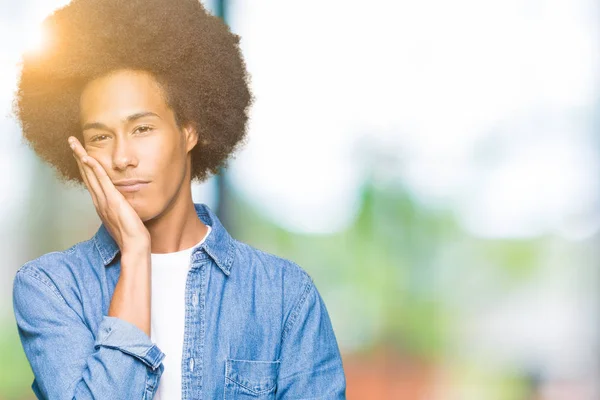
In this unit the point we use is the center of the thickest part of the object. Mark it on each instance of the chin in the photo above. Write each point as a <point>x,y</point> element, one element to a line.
<point>138,207</point>
<point>146,212</point>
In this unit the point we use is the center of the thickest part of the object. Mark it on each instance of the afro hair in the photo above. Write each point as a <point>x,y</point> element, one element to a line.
<point>192,54</point>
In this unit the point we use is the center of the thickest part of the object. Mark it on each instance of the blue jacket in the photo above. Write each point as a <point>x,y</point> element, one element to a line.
<point>256,326</point>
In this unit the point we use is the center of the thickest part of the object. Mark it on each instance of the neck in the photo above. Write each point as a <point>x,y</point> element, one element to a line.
<point>178,227</point>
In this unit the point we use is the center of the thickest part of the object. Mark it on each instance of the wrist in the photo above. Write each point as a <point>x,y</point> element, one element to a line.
<point>136,249</point>
<point>135,255</point>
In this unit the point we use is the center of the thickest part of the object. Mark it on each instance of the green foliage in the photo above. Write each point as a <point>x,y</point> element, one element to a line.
<point>15,374</point>
<point>389,267</point>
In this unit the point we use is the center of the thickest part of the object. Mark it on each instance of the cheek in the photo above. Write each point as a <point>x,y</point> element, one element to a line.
<point>164,161</point>
<point>158,156</point>
<point>102,157</point>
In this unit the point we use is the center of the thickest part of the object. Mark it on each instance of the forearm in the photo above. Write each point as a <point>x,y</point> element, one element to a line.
<point>131,299</point>
<point>111,373</point>
<point>68,360</point>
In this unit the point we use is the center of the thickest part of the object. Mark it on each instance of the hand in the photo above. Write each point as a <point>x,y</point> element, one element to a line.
<point>114,210</point>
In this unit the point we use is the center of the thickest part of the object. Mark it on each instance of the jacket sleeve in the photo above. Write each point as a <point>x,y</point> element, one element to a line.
<point>68,360</point>
<point>311,364</point>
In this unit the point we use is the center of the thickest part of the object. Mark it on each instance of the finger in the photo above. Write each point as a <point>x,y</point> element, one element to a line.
<point>77,147</point>
<point>109,189</point>
<point>103,179</point>
<point>87,173</point>
<point>93,180</point>
<point>87,183</point>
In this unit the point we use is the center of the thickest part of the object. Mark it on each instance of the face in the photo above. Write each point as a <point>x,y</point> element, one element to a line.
<point>130,129</point>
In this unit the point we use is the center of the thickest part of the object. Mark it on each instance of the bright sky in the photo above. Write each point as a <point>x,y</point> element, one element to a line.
<point>483,107</point>
<point>432,89</point>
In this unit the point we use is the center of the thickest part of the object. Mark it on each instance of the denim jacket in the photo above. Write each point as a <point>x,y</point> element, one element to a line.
<point>255,327</point>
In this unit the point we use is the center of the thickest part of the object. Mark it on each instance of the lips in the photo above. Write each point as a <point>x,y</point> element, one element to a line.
<point>127,182</point>
<point>131,188</point>
<point>130,185</point>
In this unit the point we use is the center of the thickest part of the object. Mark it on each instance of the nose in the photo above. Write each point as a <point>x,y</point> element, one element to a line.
<point>123,155</point>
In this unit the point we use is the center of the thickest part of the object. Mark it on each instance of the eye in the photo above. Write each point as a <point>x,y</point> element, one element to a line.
<point>97,138</point>
<point>143,129</point>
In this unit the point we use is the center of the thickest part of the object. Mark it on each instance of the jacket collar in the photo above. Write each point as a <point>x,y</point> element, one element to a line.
<point>219,244</point>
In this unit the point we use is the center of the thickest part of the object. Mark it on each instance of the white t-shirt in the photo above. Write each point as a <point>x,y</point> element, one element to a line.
<point>167,324</point>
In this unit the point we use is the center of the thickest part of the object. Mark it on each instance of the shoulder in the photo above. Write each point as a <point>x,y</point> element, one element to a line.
<point>277,275</point>
<point>57,270</point>
<point>261,261</point>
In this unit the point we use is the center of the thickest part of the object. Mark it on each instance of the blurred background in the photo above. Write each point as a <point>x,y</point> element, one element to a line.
<point>433,165</point>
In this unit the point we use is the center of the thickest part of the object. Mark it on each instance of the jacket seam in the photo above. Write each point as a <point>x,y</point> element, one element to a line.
<point>130,353</point>
<point>50,286</point>
<point>251,390</point>
<point>296,311</point>
<point>337,365</point>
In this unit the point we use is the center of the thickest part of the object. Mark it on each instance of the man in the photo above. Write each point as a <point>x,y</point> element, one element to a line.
<point>135,99</point>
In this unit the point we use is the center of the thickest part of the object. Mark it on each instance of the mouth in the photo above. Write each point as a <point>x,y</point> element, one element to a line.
<point>133,187</point>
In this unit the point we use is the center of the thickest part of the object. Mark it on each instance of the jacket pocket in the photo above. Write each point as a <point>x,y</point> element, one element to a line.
<point>250,379</point>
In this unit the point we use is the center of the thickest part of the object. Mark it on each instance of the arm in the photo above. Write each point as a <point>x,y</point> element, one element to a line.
<point>119,361</point>
<point>131,300</point>
<point>311,364</point>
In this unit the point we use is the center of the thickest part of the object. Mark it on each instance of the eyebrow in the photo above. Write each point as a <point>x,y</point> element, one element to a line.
<point>130,118</point>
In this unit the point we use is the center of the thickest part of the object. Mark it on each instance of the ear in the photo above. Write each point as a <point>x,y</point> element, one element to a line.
<point>191,137</point>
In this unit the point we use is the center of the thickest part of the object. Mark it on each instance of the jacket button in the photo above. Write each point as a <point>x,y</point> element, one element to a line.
<point>195,299</point>
<point>191,364</point>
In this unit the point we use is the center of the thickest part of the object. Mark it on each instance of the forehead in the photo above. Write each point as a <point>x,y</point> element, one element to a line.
<point>121,93</point>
